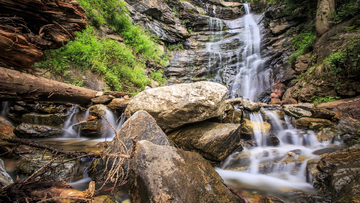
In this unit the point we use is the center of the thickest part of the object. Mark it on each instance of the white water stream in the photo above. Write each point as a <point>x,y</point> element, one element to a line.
<point>251,79</point>
<point>265,167</point>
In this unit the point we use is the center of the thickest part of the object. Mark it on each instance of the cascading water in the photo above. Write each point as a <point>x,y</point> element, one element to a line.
<point>251,79</point>
<point>281,167</point>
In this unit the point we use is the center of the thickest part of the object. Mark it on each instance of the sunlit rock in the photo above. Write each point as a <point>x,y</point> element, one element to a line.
<point>312,123</point>
<point>118,103</point>
<point>248,127</point>
<point>5,178</point>
<point>103,99</point>
<point>98,110</point>
<point>6,128</point>
<point>176,105</point>
<point>299,110</point>
<point>214,141</point>
<point>166,174</point>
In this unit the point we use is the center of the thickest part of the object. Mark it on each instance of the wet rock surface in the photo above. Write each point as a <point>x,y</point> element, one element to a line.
<point>56,119</point>
<point>35,162</point>
<point>182,177</point>
<point>25,130</point>
<point>338,175</point>
<point>214,141</point>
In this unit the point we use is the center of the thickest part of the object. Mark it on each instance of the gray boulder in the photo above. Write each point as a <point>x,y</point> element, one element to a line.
<point>176,105</point>
<point>168,174</point>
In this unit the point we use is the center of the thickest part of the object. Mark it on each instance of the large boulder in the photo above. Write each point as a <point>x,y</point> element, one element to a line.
<point>142,126</point>
<point>168,174</point>
<point>176,105</point>
<point>339,174</point>
<point>214,141</point>
<point>344,126</point>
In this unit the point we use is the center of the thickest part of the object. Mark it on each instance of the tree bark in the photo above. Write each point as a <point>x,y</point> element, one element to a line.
<point>28,27</point>
<point>323,16</point>
<point>15,85</point>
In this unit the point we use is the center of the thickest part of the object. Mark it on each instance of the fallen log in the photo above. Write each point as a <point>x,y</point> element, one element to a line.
<point>15,85</point>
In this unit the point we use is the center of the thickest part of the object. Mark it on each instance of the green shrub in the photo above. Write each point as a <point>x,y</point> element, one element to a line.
<point>319,100</point>
<point>122,64</point>
<point>302,43</point>
<point>345,62</point>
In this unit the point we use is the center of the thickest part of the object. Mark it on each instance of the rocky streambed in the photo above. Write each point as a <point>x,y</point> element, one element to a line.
<point>190,139</point>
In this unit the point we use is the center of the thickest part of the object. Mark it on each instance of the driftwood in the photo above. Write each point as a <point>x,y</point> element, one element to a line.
<point>15,85</point>
<point>28,27</point>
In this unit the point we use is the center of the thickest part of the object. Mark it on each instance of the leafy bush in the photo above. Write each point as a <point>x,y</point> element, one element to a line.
<point>319,100</point>
<point>122,64</point>
<point>345,62</point>
<point>346,9</point>
<point>302,43</point>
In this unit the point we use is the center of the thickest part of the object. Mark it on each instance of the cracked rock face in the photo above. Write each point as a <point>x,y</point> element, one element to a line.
<point>168,174</point>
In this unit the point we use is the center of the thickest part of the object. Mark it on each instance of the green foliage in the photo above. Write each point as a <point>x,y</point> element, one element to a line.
<point>302,43</point>
<point>346,9</point>
<point>319,100</point>
<point>176,47</point>
<point>122,65</point>
<point>345,62</point>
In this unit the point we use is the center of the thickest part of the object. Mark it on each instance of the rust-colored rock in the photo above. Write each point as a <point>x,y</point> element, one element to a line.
<point>28,27</point>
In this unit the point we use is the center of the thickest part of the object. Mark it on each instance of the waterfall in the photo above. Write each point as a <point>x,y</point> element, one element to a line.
<point>278,166</point>
<point>251,79</point>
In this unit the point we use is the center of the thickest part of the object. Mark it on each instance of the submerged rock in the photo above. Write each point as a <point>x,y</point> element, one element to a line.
<point>25,130</point>
<point>214,141</point>
<point>167,174</point>
<point>176,105</point>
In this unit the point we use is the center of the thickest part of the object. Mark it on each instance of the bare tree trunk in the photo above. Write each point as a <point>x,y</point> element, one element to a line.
<point>15,85</point>
<point>325,9</point>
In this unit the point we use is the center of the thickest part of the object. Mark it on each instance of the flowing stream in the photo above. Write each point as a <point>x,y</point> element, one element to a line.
<point>266,169</point>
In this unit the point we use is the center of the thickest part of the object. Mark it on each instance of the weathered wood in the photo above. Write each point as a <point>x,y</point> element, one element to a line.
<point>15,85</point>
<point>28,27</point>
